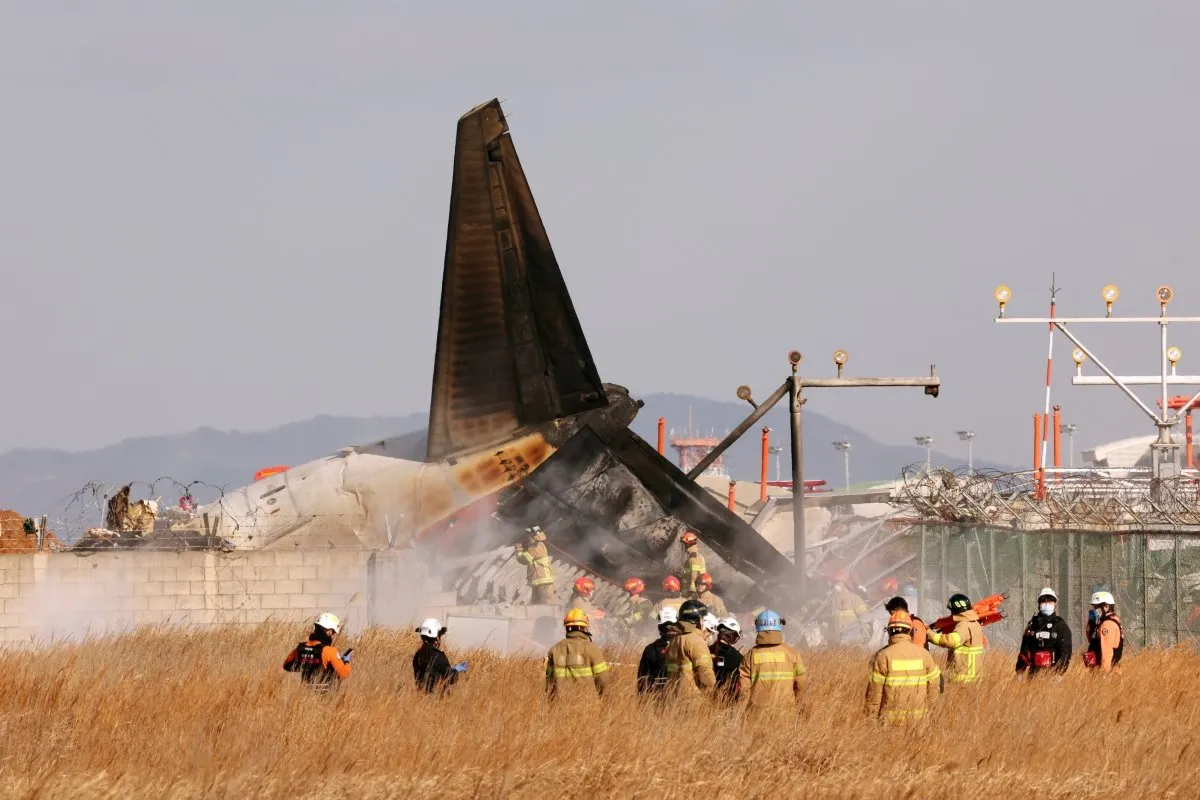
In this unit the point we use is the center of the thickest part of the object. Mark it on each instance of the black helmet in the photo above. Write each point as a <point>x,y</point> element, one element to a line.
<point>692,611</point>
<point>959,603</point>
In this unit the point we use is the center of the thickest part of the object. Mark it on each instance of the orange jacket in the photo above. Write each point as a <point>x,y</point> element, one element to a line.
<point>330,659</point>
<point>920,632</point>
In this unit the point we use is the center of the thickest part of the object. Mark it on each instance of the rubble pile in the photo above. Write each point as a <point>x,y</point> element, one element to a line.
<point>15,539</point>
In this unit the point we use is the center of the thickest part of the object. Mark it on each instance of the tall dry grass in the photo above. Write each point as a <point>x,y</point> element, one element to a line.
<point>188,714</point>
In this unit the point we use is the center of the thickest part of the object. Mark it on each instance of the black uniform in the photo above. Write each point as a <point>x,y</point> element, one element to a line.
<point>1045,645</point>
<point>652,668</point>
<point>431,668</point>
<point>726,661</point>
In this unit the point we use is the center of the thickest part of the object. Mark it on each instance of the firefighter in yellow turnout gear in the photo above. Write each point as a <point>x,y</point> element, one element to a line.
<point>695,561</point>
<point>539,573</point>
<point>964,665</point>
<point>575,665</point>
<point>905,682</point>
<point>689,663</point>
<point>771,676</point>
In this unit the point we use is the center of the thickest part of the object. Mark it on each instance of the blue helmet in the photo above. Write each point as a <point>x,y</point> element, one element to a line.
<point>768,620</point>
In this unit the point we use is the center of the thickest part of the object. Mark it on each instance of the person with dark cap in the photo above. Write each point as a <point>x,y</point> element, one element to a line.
<point>431,667</point>
<point>689,664</point>
<point>920,631</point>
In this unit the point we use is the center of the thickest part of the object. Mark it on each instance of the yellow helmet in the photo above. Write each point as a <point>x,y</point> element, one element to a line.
<point>575,618</point>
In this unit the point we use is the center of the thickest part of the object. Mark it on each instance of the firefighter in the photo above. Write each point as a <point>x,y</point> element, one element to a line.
<point>1105,638</point>
<point>652,668</point>
<point>920,631</point>
<point>689,664</point>
<point>674,596</point>
<point>905,682</point>
<point>641,610</point>
<point>1046,644</point>
<point>575,662</point>
<point>581,595</point>
<point>705,595</point>
<point>771,676</point>
<point>726,658</point>
<point>539,572</point>
<point>695,561</point>
<point>431,668</point>
<point>849,613</point>
<point>317,660</point>
<point>964,665</point>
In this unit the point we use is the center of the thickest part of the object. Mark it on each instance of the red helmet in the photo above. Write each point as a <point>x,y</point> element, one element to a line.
<point>891,586</point>
<point>635,586</point>
<point>585,586</point>
<point>671,584</point>
<point>704,580</point>
<point>689,539</point>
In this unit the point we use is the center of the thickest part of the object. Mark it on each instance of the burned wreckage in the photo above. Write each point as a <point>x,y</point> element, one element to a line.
<point>521,430</point>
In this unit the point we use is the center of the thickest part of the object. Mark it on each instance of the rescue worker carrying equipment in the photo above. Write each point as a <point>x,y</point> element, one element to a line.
<point>431,668</point>
<point>905,682</point>
<point>726,658</point>
<point>771,676</point>
<point>695,561</point>
<point>316,659</point>
<point>652,668</point>
<point>965,663</point>
<point>920,632</point>
<point>1105,638</point>
<point>539,572</point>
<point>575,661</point>
<point>1046,643</point>
<point>674,597</point>
<point>689,664</point>
<point>705,595</point>
<point>849,613</point>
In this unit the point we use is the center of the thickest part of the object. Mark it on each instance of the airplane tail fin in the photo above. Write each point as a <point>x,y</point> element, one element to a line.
<point>510,349</point>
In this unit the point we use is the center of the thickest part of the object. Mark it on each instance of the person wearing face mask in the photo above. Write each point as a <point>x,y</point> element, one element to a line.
<point>1046,644</point>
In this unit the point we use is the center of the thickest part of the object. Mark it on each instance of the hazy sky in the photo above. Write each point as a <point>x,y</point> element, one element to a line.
<point>235,216</point>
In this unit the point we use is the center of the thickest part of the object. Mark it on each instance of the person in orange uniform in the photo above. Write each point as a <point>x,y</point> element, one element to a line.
<point>575,663</point>
<point>317,660</point>
<point>920,633</point>
<point>1105,640</point>
<point>771,676</point>
<point>905,682</point>
<point>964,665</point>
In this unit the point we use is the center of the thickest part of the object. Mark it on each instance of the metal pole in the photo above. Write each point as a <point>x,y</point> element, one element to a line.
<point>1178,633</point>
<point>846,453</point>
<point>796,404</point>
<point>737,432</point>
<point>970,458</point>
<point>766,456</point>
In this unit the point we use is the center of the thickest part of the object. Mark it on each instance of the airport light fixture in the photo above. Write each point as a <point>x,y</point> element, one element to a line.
<point>1069,429</point>
<point>1165,452</point>
<point>927,443</point>
<point>845,446</point>
<point>967,436</point>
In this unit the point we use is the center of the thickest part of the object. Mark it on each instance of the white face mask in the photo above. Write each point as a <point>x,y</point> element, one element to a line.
<point>1046,608</point>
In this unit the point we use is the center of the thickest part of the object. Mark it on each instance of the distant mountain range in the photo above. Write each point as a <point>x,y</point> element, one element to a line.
<point>47,481</point>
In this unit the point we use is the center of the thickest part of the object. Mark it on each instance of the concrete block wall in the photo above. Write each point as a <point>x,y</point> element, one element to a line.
<point>54,595</point>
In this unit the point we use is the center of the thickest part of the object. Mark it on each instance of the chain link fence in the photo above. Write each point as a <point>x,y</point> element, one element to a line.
<point>1155,578</point>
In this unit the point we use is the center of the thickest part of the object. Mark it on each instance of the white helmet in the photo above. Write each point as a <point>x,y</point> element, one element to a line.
<point>431,628</point>
<point>668,614</point>
<point>1048,592</point>
<point>709,622</point>
<point>1103,598</point>
<point>731,624</point>
<point>329,622</point>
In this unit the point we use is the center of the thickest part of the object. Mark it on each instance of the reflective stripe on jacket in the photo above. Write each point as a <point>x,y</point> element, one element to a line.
<point>575,664</point>
<point>689,664</point>
<point>771,675</point>
<point>965,643</point>
<point>904,684</point>
<point>538,569</point>
<point>695,565</point>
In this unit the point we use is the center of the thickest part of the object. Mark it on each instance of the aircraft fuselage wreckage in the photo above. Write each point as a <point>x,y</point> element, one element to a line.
<point>521,429</point>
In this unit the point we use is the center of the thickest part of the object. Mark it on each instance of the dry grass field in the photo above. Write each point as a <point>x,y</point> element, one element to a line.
<point>183,714</point>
